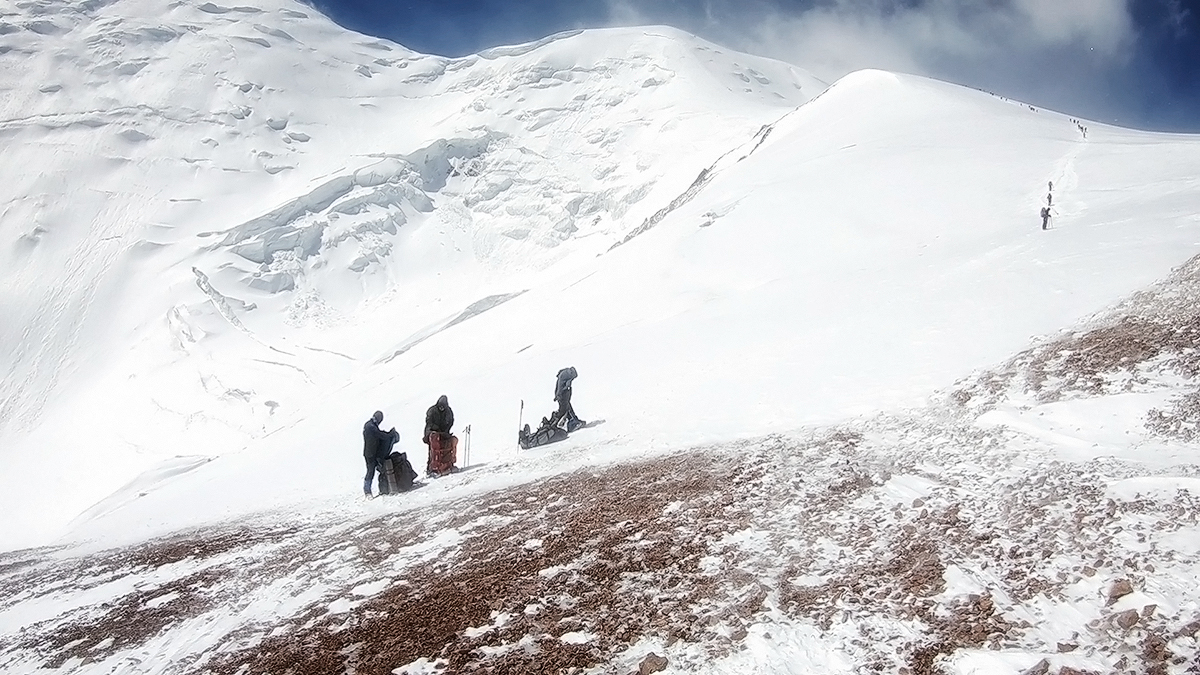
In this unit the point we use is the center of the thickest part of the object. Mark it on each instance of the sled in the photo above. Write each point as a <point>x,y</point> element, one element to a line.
<point>544,435</point>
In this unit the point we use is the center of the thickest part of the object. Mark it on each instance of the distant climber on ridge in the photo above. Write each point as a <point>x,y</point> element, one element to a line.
<point>377,446</point>
<point>443,446</point>
<point>1045,217</point>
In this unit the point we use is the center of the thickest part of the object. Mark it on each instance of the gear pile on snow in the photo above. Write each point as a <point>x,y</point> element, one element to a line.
<point>397,475</point>
<point>552,429</point>
<point>561,422</point>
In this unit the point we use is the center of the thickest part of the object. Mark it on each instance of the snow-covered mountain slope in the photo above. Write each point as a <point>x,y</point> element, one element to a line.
<point>217,215</point>
<point>880,243</point>
<point>251,244</point>
<point>1040,517</point>
<point>860,411</point>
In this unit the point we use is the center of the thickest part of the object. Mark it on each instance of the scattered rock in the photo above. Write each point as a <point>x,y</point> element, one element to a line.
<point>1064,647</point>
<point>652,664</point>
<point>1120,589</point>
<point>1127,619</point>
<point>1040,668</point>
<point>1155,651</point>
<point>1148,611</point>
<point>1189,630</point>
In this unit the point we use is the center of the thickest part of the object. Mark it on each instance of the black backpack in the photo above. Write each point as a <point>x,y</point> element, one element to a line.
<point>403,471</point>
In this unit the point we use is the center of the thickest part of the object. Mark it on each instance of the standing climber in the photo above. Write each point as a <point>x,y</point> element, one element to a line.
<point>562,394</point>
<point>443,446</point>
<point>377,445</point>
<point>1045,217</point>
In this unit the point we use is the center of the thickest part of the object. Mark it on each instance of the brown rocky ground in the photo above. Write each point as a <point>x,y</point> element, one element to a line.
<point>901,542</point>
<point>686,553</point>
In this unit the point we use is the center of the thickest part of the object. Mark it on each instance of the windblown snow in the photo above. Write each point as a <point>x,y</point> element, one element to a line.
<point>861,412</point>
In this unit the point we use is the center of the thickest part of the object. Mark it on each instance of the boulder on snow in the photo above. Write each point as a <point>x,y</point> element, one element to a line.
<point>652,664</point>
<point>1120,589</point>
<point>1040,668</point>
<point>1127,619</point>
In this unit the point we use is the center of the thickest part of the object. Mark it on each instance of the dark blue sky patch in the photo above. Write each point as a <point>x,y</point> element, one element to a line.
<point>1152,83</point>
<point>1167,62</point>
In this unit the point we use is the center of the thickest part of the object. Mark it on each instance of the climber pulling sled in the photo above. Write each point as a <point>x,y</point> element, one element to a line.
<point>560,423</point>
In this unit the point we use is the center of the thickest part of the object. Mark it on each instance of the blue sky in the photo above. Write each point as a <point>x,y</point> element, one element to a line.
<point>1130,62</point>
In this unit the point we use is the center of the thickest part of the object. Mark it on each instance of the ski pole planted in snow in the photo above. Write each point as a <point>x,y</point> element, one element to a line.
<point>467,450</point>
<point>520,421</point>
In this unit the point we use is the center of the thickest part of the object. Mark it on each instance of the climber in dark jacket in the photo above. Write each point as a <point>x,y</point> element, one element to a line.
<point>562,394</point>
<point>443,446</point>
<point>439,418</point>
<point>377,445</point>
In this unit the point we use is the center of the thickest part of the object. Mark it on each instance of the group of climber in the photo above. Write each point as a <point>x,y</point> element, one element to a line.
<point>395,471</point>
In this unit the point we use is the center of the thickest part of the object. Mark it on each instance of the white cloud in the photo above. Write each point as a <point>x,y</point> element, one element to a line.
<point>1055,53</point>
<point>1101,24</point>
<point>928,38</point>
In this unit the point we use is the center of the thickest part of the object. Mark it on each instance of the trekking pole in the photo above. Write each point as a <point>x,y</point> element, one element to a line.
<point>467,450</point>
<point>520,421</point>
